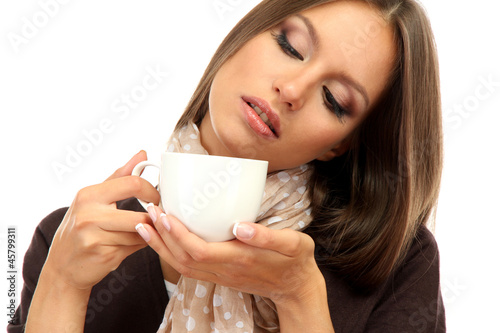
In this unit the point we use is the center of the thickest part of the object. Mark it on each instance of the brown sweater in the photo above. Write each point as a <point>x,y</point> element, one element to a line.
<point>133,297</point>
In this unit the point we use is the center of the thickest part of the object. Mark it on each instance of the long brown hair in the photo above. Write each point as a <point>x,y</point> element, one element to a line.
<point>368,204</point>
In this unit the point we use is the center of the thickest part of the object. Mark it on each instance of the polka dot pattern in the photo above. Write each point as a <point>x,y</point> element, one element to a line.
<point>299,205</point>
<point>191,324</point>
<point>283,176</point>
<point>217,300</point>
<point>301,189</point>
<point>274,219</point>
<point>199,306</point>
<point>200,291</point>
<point>280,205</point>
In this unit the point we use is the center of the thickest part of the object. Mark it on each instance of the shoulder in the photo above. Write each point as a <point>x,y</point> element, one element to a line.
<point>420,262</point>
<point>424,244</point>
<point>48,226</point>
<point>408,301</point>
<point>411,297</point>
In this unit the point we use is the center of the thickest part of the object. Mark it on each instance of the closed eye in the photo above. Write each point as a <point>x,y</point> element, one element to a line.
<point>285,45</point>
<point>330,101</point>
<point>332,104</point>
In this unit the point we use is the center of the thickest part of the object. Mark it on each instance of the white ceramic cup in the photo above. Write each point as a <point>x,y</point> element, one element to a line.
<point>209,194</point>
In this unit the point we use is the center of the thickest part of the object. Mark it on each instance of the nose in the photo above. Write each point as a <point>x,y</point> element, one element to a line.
<point>293,90</point>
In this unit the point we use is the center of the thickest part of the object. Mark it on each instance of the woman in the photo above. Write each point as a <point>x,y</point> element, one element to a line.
<point>350,89</point>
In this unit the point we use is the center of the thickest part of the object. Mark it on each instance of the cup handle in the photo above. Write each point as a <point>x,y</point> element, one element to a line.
<point>137,172</point>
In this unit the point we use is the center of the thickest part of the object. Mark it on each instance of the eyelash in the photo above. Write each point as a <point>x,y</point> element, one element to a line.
<point>332,104</point>
<point>285,45</point>
<point>330,101</point>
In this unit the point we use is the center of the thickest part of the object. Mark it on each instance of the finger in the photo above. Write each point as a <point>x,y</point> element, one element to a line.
<point>121,238</point>
<point>232,263</point>
<point>153,211</point>
<point>194,252</point>
<point>285,241</point>
<point>109,228</point>
<point>122,188</point>
<point>155,241</point>
<point>128,250</point>
<point>188,251</point>
<point>184,244</point>
<point>116,220</point>
<point>126,170</point>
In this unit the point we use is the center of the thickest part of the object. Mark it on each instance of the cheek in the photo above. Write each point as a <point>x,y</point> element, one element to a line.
<point>315,139</point>
<point>322,141</point>
<point>320,134</point>
<point>258,58</point>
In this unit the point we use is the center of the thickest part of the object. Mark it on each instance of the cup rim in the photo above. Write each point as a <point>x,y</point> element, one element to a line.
<point>216,157</point>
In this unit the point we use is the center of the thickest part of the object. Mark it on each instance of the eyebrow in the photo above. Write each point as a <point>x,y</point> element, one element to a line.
<point>310,29</point>
<point>356,85</point>
<point>344,77</point>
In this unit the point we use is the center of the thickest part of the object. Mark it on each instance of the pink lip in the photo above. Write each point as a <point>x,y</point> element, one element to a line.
<point>266,108</point>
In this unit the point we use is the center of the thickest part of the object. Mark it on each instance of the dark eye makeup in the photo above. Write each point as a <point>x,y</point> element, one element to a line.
<point>285,45</point>
<point>330,101</point>
<point>332,104</point>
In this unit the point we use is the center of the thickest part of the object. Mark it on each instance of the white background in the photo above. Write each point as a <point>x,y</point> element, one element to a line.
<point>66,78</point>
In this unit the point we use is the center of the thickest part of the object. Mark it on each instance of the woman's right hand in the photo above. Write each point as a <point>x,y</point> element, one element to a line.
<point>93,239</point>
<point>94,236</point>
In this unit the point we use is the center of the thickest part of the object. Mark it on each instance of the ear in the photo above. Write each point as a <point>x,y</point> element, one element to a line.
<point>336,151</point>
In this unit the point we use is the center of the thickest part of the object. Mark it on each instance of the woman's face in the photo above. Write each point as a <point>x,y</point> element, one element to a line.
<point>314,77</point>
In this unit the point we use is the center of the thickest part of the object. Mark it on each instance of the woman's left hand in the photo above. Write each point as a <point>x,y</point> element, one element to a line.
<point>278,264</point>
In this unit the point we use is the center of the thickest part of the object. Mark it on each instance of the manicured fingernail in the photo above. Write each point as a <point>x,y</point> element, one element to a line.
<point>164,221</point>
<point>143,232</point>
<point>151,210</point>
<point>243,231</point>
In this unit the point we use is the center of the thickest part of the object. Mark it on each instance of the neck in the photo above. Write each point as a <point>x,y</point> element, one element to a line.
<point>208,138</point>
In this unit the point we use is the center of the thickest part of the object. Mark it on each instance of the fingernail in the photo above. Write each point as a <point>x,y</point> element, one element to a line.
<point>243,231</point>
<point>151,210</point>
<point>164,221</point>
<point>143,232</point>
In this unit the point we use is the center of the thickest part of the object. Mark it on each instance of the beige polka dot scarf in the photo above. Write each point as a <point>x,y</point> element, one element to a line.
<point>199,306</point>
